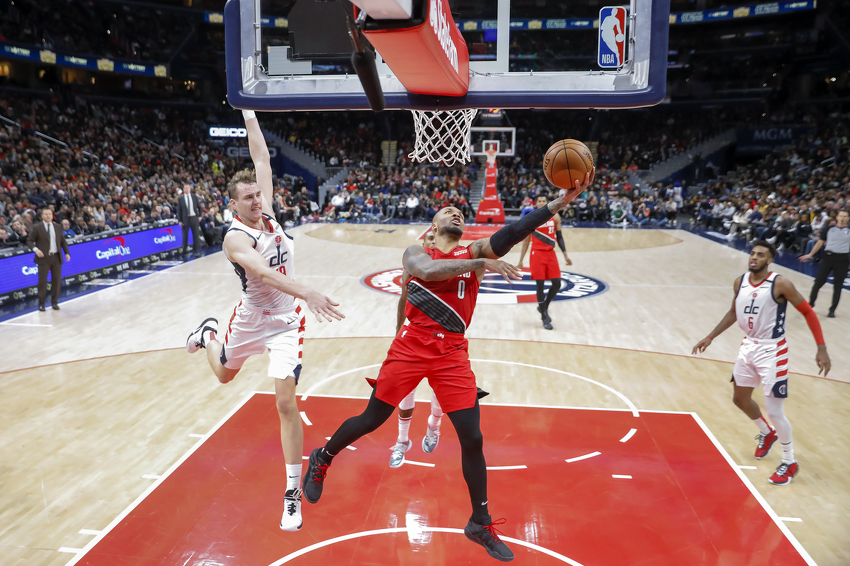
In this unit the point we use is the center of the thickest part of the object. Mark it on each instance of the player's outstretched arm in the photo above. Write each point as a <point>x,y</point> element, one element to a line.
<point>419,264</point>
<point>260,157</point>
<point>728,320</point>
<point>785,288</point>
<point>240,250</point>
<point>502,241</point>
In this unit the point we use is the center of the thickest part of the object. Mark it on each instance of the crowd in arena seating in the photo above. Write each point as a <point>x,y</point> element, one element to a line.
<point>104,171</point>
<point>96,28</point>
<point>789,196</point>
<point>101,170</point>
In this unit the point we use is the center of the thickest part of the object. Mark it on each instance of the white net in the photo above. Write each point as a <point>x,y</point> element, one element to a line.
<point>442,136</point>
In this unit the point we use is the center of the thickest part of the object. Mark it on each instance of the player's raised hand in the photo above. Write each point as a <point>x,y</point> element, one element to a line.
<point>503,268</point>
<point>702,345</point>
<point>569,195</point>
<point>323,307</point>
<point>822,359</point>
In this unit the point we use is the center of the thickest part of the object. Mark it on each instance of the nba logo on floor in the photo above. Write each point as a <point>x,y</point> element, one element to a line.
<point>612,37</point>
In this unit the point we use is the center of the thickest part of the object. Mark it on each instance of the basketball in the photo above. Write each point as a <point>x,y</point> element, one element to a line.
<point>619,37</point>
<point>566,162</point>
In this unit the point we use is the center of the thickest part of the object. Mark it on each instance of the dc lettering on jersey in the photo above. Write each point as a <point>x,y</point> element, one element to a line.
<point>752,308</point>
<point>279,258</point>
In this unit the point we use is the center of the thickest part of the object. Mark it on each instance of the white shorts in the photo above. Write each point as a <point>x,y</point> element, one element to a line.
<point>763,363</point>
<point>251,330</point>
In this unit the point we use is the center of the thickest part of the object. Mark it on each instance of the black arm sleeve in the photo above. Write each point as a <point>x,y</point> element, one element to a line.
<point>560,238</point>
<point>502,241</point>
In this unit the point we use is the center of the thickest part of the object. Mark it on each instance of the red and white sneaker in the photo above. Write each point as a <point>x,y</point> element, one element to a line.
<point>201,335</point>
<point>784,474</point>
<point>765,442</point>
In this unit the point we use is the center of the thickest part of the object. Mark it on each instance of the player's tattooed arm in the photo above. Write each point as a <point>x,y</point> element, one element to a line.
<point>419,264</point>
<point>728,320</point>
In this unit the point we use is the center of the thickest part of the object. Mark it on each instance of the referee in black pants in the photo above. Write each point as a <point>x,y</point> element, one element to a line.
<point>836,259</point>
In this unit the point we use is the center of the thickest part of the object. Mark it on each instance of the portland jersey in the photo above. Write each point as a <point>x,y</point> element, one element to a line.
<point>543,238</point>
<point>758,313</point>
<point>443,305</point>
<point>276,247</point>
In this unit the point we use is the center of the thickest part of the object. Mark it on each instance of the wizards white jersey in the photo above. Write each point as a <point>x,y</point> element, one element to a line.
<point>276,247</point>
<point>758,313</point>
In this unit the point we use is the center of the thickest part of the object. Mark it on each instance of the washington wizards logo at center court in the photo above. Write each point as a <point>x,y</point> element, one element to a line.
<point>495,290</point>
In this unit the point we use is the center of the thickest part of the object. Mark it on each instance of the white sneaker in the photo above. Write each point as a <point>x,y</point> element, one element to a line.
<point>291,520</point>
<point>397,457</point>
<point>431,439</point>
<point>198,338</point>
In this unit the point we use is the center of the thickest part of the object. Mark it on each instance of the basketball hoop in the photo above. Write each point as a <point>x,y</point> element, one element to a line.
<point>442,136</point>
<point>491,157</point>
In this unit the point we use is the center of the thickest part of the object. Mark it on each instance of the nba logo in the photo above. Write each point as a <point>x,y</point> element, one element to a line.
<point>612,37</point>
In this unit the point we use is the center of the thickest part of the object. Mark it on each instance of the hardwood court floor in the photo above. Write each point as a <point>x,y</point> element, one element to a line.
<point>110,397</point>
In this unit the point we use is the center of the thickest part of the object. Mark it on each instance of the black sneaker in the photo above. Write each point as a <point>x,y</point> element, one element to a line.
<point>487,536</point>
<point>317,469</point>
<point>544,314</point>
<point>831,314</point>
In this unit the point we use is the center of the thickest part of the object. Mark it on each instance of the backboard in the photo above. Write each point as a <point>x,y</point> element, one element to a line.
<point>516,60</point>
<point>500,138</point>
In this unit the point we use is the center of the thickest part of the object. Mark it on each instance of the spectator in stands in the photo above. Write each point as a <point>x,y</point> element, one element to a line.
<point>19,230</point>
<point>212,227</point>
<point>5,241</point>
<point>411,206</point>
<point>66,230</point>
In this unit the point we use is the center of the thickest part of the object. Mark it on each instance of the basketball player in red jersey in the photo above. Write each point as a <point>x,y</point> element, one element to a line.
<point>544,262</point>
<point>761,297</point>
<point>405,408</point>
<point>441,294</point>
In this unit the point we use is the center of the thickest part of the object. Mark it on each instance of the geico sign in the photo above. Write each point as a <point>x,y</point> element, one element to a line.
<point>217,132</point>
<point>244,152</point>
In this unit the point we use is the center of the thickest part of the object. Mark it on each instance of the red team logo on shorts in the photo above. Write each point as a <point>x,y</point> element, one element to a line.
<point>496,291</point>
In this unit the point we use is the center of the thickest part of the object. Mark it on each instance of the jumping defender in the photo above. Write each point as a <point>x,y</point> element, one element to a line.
<point>761,297</point>
<point>268,315</point>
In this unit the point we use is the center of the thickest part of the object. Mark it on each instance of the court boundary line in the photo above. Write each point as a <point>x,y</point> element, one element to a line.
<point>391,337</point>
<point>762,501</point>
<point>106,530</point>
<point>765,505</point>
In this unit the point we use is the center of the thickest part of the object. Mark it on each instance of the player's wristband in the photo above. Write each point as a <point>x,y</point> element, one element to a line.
<point>560,238</point>
<point>813,322</point>
<point>248,114</point>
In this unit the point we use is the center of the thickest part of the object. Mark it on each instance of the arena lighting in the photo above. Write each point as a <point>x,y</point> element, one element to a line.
<point>219,132</point>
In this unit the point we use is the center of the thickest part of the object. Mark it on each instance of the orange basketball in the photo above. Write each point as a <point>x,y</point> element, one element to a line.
<point>566,162</point>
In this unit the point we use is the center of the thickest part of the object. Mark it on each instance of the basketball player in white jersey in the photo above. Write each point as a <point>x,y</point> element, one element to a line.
<point>761,297</point>
<point>268,315</point>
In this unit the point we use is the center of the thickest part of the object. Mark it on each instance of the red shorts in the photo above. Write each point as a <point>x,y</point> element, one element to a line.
<point>441,356</point>
<point>544,265</point>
